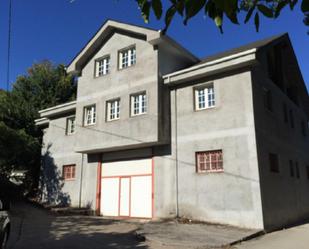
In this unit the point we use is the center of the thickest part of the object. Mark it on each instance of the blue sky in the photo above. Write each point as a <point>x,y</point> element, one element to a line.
<point>58,29</point>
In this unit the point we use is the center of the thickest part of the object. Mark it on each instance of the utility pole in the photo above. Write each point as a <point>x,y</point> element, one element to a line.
<point>9,48</point>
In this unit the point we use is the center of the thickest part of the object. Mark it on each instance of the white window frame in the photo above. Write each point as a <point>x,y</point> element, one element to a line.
<point>102,66</point>
<point>89,115</point>
<point>205,97</point>
<point>127,57</point>
<point>113,109</point>
<point>138,104</point>
<point>70,125</point>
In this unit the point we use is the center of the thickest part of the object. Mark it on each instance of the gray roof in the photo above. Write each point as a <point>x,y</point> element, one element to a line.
<point>256,44</point>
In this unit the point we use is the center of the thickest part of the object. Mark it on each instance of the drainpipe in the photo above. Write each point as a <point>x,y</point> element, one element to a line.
<point>176,156</point>
<point>81,181</point>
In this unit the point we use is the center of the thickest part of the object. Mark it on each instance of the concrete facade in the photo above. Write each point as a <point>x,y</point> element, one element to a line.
<point>246,193</point>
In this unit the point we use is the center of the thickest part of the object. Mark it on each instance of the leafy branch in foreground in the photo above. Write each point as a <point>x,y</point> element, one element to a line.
<point>218,9</point>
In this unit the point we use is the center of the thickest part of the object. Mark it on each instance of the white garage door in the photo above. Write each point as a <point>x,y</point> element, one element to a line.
<point>126,189</point>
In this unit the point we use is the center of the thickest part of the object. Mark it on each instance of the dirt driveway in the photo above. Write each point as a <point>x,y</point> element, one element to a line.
<point>35,228</point>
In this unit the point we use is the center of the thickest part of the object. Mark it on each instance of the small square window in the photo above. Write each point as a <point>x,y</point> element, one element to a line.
<point>297,170</point>
<point>204,97</point>
<point>127,57</point>
<point>274,163</point>
<point>268,100</point>
<point>138,104</point>
<point>291,168</point>
<point>113,110</point>
<point>285,113</point>
<point>102,66</point>
<point>291,118</point>
<point>303,128</point>
<point>70,126</point>
<point>209,161</point>
<point>89,115</point>
<point>68,172</point>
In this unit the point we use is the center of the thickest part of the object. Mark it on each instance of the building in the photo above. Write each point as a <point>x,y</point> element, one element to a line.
<point>156,132</point>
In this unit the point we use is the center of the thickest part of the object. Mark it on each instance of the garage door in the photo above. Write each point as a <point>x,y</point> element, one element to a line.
<point>126,189</point>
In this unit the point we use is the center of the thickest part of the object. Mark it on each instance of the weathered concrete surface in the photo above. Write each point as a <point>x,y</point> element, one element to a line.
<point>193,235</point>
<point>295,237</point>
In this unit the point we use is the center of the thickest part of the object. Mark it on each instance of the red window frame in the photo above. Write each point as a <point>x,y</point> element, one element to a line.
<point>209,161</point>
<point>68,172</point>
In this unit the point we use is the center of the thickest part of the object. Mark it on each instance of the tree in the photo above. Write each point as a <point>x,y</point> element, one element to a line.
<point>218,9</point>
<point>43,86</point>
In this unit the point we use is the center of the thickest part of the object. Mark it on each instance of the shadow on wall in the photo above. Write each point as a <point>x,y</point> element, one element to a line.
<point>51,182</point>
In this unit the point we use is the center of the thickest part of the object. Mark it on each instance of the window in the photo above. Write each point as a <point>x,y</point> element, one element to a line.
<point>204,97</point>
<point>127,58</point>
<point>268,100</point>
<point>138,104</point>
<point>89,115</point>
<point>291,168</point>
<point>297,170</point>
<point>209,161</point>
<point>285,113</point>
<point>303,128</point>
<point>291,119</point>
<point>70,127</point>
<point>274,61</point>
<point>274,163</point>
<point>113,109</point>
<point>68,172</point>
<point>102,66</point>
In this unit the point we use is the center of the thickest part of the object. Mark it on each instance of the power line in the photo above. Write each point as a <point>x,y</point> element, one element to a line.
<point>9,48</point>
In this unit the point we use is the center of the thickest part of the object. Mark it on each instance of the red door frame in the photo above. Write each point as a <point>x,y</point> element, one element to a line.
<point>98,195</point>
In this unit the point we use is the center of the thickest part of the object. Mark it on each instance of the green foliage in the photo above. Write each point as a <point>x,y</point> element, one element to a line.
<point>218,9</point>
<point>43,86</point>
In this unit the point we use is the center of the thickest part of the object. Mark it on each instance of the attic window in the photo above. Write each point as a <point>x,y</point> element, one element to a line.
<point>102,66</point>
<point>127,57</point>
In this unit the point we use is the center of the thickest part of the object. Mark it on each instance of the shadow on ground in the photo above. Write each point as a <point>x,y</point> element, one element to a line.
<point>36,228</point>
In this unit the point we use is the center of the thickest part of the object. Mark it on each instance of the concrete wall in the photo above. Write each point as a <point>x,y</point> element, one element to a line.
<point>127,131</point>
<point>285,198</point>
<point>57,150</point>
<point>231,197</point>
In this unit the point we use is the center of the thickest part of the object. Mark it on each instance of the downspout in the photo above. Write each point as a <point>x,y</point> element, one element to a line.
<point>81,181</point>
<point>176,156</point>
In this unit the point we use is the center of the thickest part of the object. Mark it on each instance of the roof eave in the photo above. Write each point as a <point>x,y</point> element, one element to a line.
<point>107,28</point>
<point>58,110</point>
<point>243,59</point>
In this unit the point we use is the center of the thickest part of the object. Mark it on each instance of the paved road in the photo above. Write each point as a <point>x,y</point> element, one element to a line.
<point>35,228</point>
<point>292,238</point>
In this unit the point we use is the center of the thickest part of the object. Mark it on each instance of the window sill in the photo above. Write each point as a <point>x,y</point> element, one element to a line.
<point>89,125</point>
<point>112,120</point>
<point>70,134</point>
<point>69,179</point>
<point>101,76</point>
<point>207,108</point>
<point>138,115</point>
<point>124,68</point>
<point>210,172</point>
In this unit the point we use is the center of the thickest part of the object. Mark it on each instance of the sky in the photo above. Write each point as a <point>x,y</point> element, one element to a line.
<point>56,30</point>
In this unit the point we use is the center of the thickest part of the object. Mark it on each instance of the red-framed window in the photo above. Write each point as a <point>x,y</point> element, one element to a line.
<point>68,172</point>
<point>209,161</point>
